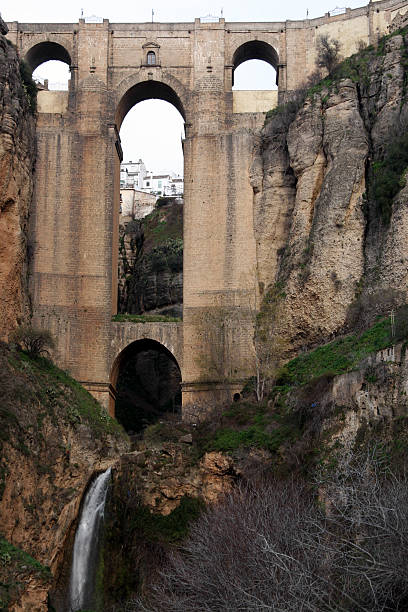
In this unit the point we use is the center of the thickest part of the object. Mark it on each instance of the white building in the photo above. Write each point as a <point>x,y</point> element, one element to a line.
<point>166,184</point>
<point>133,175</point>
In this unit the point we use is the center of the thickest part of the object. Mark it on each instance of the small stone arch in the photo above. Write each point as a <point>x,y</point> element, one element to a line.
<point>46,50</point>
<point>141,347</point>
<point>142,86</point>
<point>255,50</point>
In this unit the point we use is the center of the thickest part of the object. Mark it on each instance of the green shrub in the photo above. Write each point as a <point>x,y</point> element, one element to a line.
<point>10,553</point>
<point>144,318</point>
<point>172,527</point>
<point>29,86</point>
<point>387,175</point>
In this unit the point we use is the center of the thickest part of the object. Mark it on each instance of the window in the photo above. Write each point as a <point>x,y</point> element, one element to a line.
<point>147,184</point>
<point>160,184</point>
<point>151,58</point>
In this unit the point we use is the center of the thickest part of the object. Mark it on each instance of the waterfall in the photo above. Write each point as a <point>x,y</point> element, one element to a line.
<point>86,545</point>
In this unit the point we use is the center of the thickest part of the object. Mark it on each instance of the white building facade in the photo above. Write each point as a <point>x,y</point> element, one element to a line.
<point>133,175</point>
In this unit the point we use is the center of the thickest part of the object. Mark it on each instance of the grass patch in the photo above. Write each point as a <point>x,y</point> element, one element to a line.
<point>59,394</point>
<point>248,425</point>
<point>10,554</point>
<point>144,318</point>
<point>295,416</point>
<point>339,356</point>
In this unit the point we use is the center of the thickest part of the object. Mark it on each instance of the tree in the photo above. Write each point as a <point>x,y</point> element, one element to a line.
<point>269,345</point>
<point>328,52</point>
<point>35,341</point>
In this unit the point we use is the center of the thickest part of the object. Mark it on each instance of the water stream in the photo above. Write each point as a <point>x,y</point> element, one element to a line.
<point>86,545</point>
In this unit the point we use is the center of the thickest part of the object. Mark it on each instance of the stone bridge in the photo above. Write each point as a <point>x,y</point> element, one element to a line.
<point>74,219</point>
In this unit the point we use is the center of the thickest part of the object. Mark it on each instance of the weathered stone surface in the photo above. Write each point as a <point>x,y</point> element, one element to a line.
<point>333,247</point>
<point>165,473</point>
<point>17,154</point>
<point>49,452</point>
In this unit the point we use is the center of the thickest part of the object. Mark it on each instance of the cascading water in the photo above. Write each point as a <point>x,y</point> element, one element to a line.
<point>86,545</point>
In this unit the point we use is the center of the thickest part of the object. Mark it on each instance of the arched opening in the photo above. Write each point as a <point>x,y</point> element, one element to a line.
<point>50,65</point>
<point>147,379</point>
<point>255,65</point>
<point>151,58</point>
<point>150,251</point>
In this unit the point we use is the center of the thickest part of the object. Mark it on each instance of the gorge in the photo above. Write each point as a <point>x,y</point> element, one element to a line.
<point>296,359</point>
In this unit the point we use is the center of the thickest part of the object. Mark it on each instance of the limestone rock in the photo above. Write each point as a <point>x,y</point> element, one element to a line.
<point>17,156</point>
<point>165,473</point>
<point>315,233</point>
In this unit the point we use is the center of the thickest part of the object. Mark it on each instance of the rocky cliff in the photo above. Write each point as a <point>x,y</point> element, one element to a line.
<point>330,203</point>
<point>54,437</point>
<point>17,156</point>
<point>151,262</point>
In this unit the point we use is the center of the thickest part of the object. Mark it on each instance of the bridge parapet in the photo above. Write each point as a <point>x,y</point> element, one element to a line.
<point>246,101</point>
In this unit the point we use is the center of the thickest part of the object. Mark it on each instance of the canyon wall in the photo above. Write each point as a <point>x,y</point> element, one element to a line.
<point>53,438</point>
<point>330,241</point>
<point>151,261</point>
<point>17,156</point>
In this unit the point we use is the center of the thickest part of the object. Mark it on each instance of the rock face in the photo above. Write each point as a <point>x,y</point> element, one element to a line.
<point>54,437</point>
<point>17,155</point>
<point>157,490</point>
<point>320,231</point>
<point>151,262</point>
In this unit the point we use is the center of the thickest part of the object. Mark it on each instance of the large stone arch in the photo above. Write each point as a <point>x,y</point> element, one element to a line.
<point>142,347</point>
<point>254,50</point>
<point>140,86</point>
<point>45,48</point>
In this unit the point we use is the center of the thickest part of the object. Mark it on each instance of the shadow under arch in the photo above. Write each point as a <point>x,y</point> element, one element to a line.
<point>136,88</point>
<point>255,50</point>
<point>44,52</point>
<point>147,380</point>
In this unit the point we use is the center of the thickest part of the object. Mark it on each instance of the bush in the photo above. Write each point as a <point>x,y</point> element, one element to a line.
<point>29,86</point>
<point>328,52</point>
<point>273,546</point>
<point>35,341</point>
<point>387,174</point>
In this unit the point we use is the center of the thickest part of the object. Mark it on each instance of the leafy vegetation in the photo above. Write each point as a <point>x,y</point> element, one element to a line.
<point>156,243</point>
<point>341,355</point>
<point>292,414</point>
<point>328,52</point>
<point>169,528</point>
<point>137,539</point>
<point>387,174</point>
<point>144,318</point>
<point>28,380</point>
<point>16,567</point>
<point>29,86</point>
<point>167,256</point>
<point>9,553</point>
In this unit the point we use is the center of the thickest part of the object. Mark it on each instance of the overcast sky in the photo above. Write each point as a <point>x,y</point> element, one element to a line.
<point>152,130</point>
